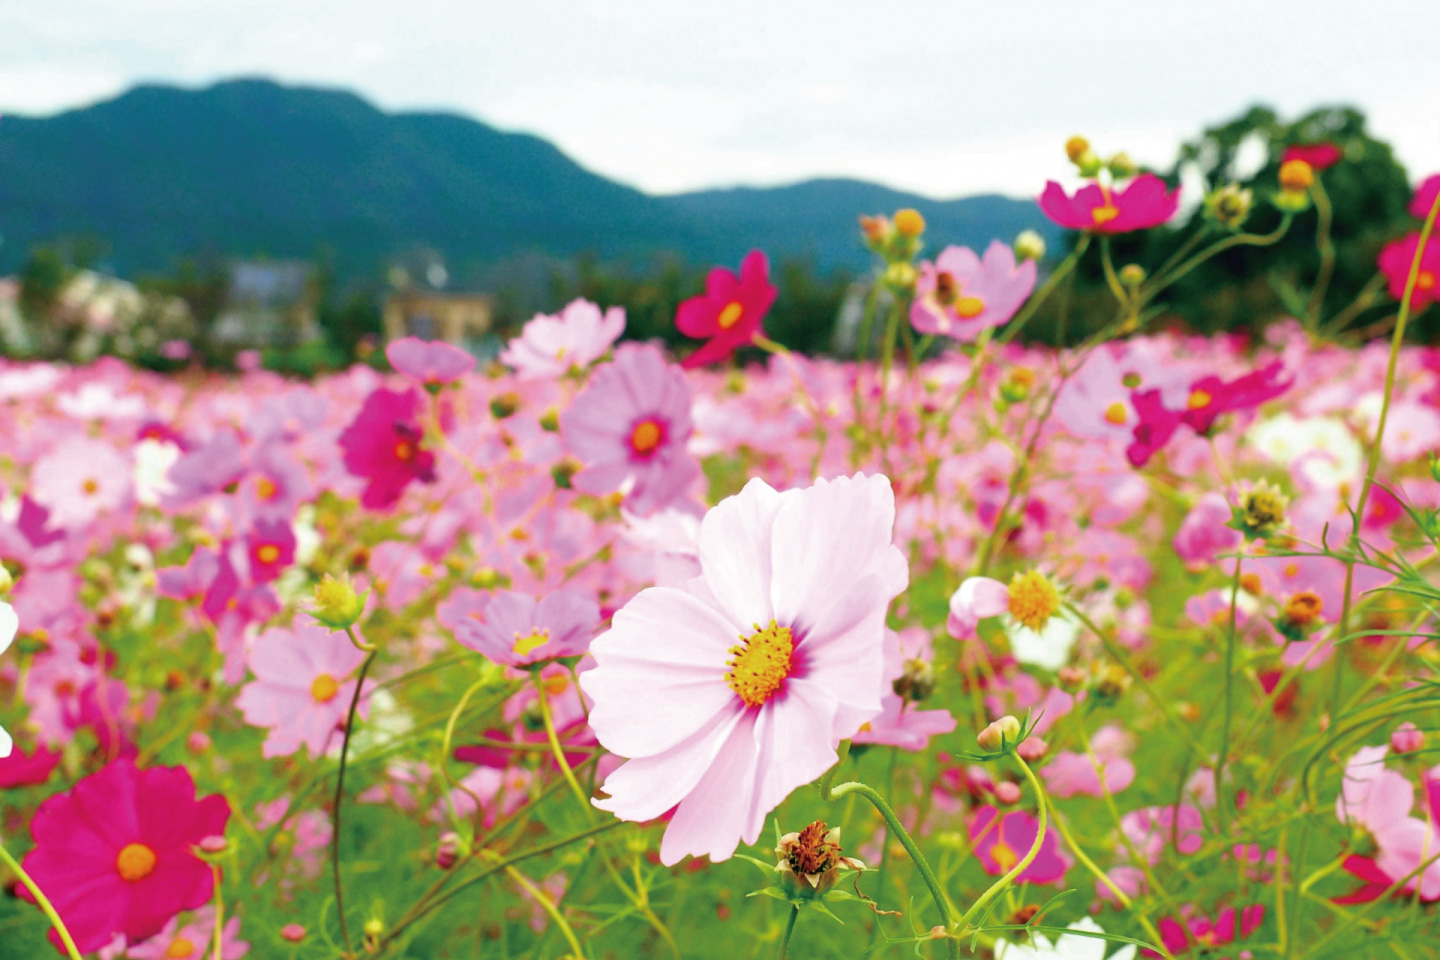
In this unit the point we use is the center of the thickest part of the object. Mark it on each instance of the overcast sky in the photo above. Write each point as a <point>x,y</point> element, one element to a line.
<point>944,98</point>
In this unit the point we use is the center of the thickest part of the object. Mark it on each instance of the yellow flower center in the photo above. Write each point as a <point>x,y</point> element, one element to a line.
<point>1199,400</point>
<point>265,489</point>
<point>760,663</point>
<point>91,487</point>
<point>730,315</point>
<point>267,553</point>
<point>1103,215</point>
<point>135,862</point>
<point>404,450</point>
<point>1304,608</point>
<point>1033,599</point>
<point>1004,856</point>
<point>1116,413</point>
<point>323,688</point>
<point>646,436</point>
<point>968,307</point>
<point>180,948</point>
<point>1426,280</point>
<point>537,638</point>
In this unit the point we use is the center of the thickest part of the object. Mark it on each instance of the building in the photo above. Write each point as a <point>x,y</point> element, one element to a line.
<point>269,303</point>
<point>458,318</point>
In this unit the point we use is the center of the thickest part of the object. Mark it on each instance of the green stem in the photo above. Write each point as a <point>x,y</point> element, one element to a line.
<point>1017,323</point>
<point>219,944</point>
<point>549,907</point>
<point>1160,282</point>
<point>1325,215</point>
<point>555,748</point>
<point>789,929</point>
<point>1113,280</point>
<point>42,901</point>
<point>978,908</point>
<point>1222,806</point>
<point>340,796</point>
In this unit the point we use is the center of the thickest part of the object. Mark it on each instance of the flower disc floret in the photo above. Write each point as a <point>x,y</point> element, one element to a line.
<point>135,862</point>
<point>760,663</point>
<point>1033,599</point>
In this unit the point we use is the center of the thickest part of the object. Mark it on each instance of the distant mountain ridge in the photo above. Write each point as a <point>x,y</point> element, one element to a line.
<point>250,167</point>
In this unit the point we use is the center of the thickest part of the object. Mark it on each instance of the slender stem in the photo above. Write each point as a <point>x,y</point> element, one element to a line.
<point>219,913</point>
<point>42,901</point>
<point>1120,896</point>
<point>1116,287</point>
<point>1325,215</point>
<point>1222,806</point>
<point>1160,282</point>
<point>340,797</point>
<point>549,907</point>
<point>789,929</point>
<point>978,908</point>
<point>867,320</point>
<point>555,748</point>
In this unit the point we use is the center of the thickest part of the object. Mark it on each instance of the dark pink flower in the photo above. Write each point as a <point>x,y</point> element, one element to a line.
<point>1210,396</point>
<point>1395,261</point>
<point>1320,156</point>
<point>1424,198</point>
<point>999,846</point>
<point>382,446</point>
<point>115,853</point>
<point>1144,203</point>
<point>515,630</point>
<point>429,361</point>
<point>729,312</point>
<point>21,769</point>
<point>270,549</point>
<point>1200,931</point>
<point>1157,424</point>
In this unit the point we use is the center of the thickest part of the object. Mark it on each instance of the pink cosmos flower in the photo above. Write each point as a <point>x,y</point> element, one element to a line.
<point>21,769</point>
<point>999,845</point>
<point>1144,203</point>
<point>513,629</point>
<point>300,693</point>
<point>1205,533</point>
<point>1210,397</point>
<point>1320,156</point>
<point>551,346</point>
<point>959,294</point>
<point>1072,773</point>
<point>382,445</point>
<point>9,625</point>
<point>115,853</point>
<point>194,941</point>
<point>80,480</point>
<point>1424,198</point>
<point>730,310</point>
<point>1200,931</point>
<point>1371,795</point>
<point>432,362</point>
<point>720,731</point>
<point>901,723</point>
<point>629,427</point>
<point>270,548</point>
<point>1395,260</point>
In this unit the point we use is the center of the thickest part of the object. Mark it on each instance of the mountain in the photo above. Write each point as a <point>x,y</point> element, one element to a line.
<point>250,167</point>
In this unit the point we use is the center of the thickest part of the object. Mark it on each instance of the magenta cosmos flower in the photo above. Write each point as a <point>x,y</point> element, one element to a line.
<point>513,629</point>
<point>629,427</point>
<point>959,294</point>
<point>1395,261</point>
<point>1144,203</point>
<point>552,346</point>
<point>432,362</point>
<point>1424,198</point>
<point>1320,156</point>
<point>729,312</point>
<point>382,446</point>
<point>115,854</point>
<point>1000,845</point>
<point>731,692</point>
<point>300,693</point>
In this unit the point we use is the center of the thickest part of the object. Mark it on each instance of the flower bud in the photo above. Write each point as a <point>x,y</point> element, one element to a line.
<point>550,420</point>
<point>1072,679</point>
<point>999,735</point>
<point>900,277</point>
<point>1031,749</point>
<point>292,932</point>
<point>1016,385</point>
<point>1229,206</point>
<point>563,472</point>
<point>504,405</point>
<point>1262,510</point>
<point>1029,245</point>
<point>1132,275</point>
<point>213,845</point>
<point>1113,683</point>
<point>197,742</point>
<point>875,230</point>
<point>1007,792</point>
<point>447,852</point>
<point>1122,167</point>
<point>336,604</point>
<point>917,681</point>
<point>1296,176</point>
<point>1076,147</point>
<point>909,223</point>
<point>1407,738</point>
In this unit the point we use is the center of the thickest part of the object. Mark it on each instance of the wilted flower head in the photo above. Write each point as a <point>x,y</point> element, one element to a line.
<point>811,861</point>
<point>1229,206</point>
<point>1261,511</point>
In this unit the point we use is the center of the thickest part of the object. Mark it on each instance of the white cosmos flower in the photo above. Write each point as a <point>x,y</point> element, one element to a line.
<point>9,623</point>
<point>1067,947</point>
<point>1049,647</point>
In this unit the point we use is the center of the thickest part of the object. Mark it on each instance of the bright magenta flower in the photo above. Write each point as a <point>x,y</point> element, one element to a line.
<point>1199,930</point>
<point>720,731</point>
<point>270,548</point>
<point>1144,203</point>
<point>630,427</point>
<point>1320,156</point>
<point>1210,397</point>
<point>115,853</point>
<point>730,310</point>
<point>1395,261</point>
<point>382,446</point>
<point>960,295</point>
<point>431,362</point>
<point>1000,845</point>
<point>300,692</point>
<point>1424,198</point>
<point>513,629</point>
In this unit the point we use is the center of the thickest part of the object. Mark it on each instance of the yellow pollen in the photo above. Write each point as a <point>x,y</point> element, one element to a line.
<point>1304,608</point>
<point>404,450</point>
<point>1103,215</point>
<point>135,862</point>
<point>1292,569</point>
<point>731,315</point>
<point>1004,857</point>
<point>536,638</point>
<point>267,553</point>
<point>760,663</point>
<point>265,488</point>
<point>645,437</point>
<point>91,487</point>
<point>1426,280</point>
<point>968,307</point>
<point>1033,599</point>
<point>1199,400</point>
<point>323,688</point>
<point>556,685</point>
<point>1116,413</point>
<point>180,948</point>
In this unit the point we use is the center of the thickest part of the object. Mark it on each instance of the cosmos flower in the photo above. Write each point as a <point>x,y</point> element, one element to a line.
<point>1039,633</point>
<point>629,427</point>
<point>1424,198</point>
<point>80,480</point>
<point>959,294</point>
<point>728,314</point>
<point>1142,204</point>
<point>115,853</point>
<point>720,731</point>
<point>1320,156</point>
<point>192,941</point>
<point>1200,931</point>
<point>551,346</point>
<point>431,362</point>
<point>1395,261</point>
<point>300,692</point>
<point>999,844</point>
<point>1066,946</point>
<point>513,629</point>
<point>9,624</point>
<point>382,446</point>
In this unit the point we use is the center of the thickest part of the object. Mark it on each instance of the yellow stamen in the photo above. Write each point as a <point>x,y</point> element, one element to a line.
<point>645,437</point>
<point>760,663</point>
<point>135,862</point>
<point>267,553</point>
<point>1004,856</point>
<point>1116,413</point>
<point>1103,215</point>
<point>180,948</point>
<point>1199,400</point>
<point>90,487</point>
<point>404,450</point>
<point>1425,281</point>
<point>1033,599</point>
<point>324,688</point>
<point>525,644</point>
<point>968,307</point>
<point>730,315</point>
<point>264,488</point>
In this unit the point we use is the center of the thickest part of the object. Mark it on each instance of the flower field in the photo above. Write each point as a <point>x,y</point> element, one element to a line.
<point>971,648</point>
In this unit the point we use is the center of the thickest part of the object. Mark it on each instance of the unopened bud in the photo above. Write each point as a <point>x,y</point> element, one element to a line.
<point>1407,738</point>
<point>447,852</point>
<point>337,605</point>
<point>1122,167</point>
<point>550,420</point>
<point>197,741</point>
<point>1017,383</point>
<point>1076,147</point>
<point>1003,733</point>
<point>1071,679</point>
<point>1031,749</point>
<point>1029,245</point>
<point>909,223</point>
<point>1229,206</point>
<point>900,277</point>
<point>504,405</point>
<point>1296,176</point>
<point>1132,275</point>
<point>213,844</point>
<point>1007,792</point>
<point>292,933</point>
<point>875,229</point>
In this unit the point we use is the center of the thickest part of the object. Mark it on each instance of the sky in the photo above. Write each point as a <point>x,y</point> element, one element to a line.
<point>945,99</point>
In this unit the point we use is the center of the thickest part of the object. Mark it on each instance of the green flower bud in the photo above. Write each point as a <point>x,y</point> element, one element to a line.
<point>336,604</point>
